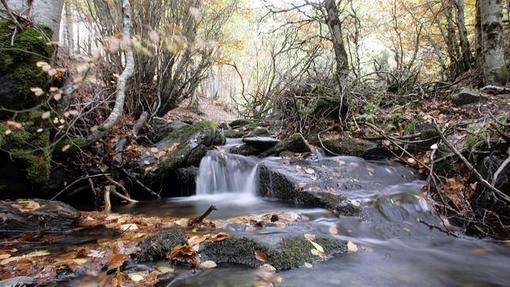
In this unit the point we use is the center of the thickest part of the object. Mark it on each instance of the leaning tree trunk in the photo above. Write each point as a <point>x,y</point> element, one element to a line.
<point>335,28</point>
<point>493,55</point>
<point>43,12</point>
<point>129,69</point>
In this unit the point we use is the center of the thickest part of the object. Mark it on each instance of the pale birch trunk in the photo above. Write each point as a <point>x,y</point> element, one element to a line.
<point>493,55</point>
<point>129,69</point>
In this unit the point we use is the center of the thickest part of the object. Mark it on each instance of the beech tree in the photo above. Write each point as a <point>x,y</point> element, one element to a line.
<point>492,57</point>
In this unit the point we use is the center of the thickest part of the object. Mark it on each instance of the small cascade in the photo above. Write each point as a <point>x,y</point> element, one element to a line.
<point>224,173</point>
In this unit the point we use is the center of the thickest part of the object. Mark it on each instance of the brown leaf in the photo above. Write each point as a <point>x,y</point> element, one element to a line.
<point>184,254</point>
<point>116,261</point>
<point>261,255</point>
<point>217,237</point>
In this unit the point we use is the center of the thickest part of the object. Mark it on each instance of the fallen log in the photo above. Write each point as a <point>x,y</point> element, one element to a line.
<point>36,216</point>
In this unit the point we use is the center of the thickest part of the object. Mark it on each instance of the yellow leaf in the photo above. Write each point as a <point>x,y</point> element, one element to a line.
<point>46,115</point>
<point>208,265</point>
<point>136,277</point>
<point>351,247</point>
<point>317,246</point>
<point>80,261</point>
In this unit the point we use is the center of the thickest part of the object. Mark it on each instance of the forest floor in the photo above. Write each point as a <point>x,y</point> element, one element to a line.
<point>208,110</point>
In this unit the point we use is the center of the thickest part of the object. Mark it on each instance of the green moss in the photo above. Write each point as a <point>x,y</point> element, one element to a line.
<point>242,123</point>
<point>18,61</point>
<point>290,253</point>
<point>183,134</point>
<point>17,136</point>
<point>155,247</point>
<point>38,165</point>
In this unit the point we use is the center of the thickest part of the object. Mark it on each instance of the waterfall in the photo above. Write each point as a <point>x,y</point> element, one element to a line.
<point>224,173</point>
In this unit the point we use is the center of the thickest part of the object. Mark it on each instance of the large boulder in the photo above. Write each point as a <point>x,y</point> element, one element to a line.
<point>261,143</point>
<point>156,246</point>
<point>348,146</point>
<point>181,148</point>
<point>18,64</point>
<point>331,183</point>
<point>467,96</point>
<point>296,143</point>
<point>288,253</point>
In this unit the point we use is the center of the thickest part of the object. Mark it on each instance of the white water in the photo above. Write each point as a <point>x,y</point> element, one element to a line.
<point>227,176</point>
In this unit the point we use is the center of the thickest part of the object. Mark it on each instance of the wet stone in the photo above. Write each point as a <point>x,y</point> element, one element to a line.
<point>155,247</point>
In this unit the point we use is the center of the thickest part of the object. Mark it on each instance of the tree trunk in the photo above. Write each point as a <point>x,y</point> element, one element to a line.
<point>129,69</point>
<point>478,31</point>
<point>493,55</point>
<point>335,28</point>
<point>43,12</point>
<point>467,56</point>
<point>451,36</point>
<point>69,28</point>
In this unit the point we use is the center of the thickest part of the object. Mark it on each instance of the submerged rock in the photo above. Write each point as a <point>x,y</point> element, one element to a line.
<point>289,253</point>
<point>155,247</point>
<point>332,183</point>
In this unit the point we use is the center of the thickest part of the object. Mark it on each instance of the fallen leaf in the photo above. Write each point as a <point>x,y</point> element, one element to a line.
<point>351,247</point>
<point>267,268</point>
<point>333,230</point>
<point>129,227</point>
<point>317,249</point>
<point>208,265</point>
<point>116,261</point>
<point>40,253</point>
<point>136,277</point>
<point>307,265</point>
<point>217,237</point>
<point>310,171</point>
<point>310,237</point>
<point>261,255</point>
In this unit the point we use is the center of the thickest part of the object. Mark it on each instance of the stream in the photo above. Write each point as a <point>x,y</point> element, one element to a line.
<point>394,249</point>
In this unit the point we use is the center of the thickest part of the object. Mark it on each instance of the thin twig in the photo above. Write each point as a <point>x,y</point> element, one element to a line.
<point>75,182</point>
<point>13,18</point>
<point>500,169</point>
<point>470,166</point>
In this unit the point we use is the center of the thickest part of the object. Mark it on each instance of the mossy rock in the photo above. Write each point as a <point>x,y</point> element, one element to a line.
<point>289,253</point>
<point>18,63</point>
<point>20,143</point>
<point>155,247</point>
<point>296,143</point>
<point>241,123</point>
<point>233,133</point>
<point>190,143</point>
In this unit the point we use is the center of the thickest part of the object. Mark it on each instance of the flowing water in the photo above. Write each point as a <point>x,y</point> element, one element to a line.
<point>394,248</point>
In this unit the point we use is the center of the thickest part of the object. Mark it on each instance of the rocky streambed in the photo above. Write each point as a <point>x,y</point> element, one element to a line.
<point>285,215</point>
